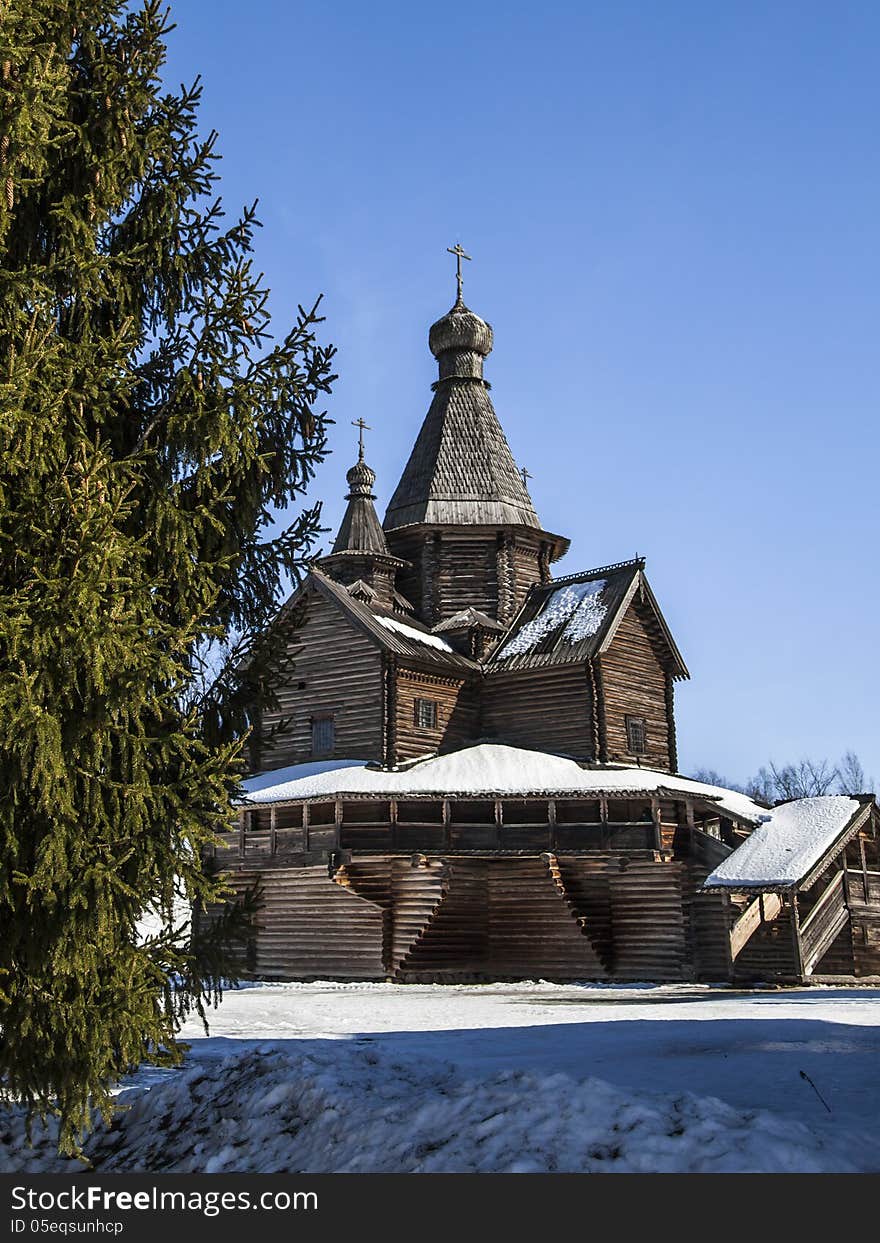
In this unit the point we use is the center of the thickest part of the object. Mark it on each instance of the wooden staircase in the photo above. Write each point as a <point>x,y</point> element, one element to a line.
<point>825,922</point>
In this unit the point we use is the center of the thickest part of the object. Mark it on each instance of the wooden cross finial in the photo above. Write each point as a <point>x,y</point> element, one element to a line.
<point>526,476</point>
<point>459,255</point>
<point>362,427</point>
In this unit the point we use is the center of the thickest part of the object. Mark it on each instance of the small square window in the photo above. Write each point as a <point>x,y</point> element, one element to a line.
<point>636,737</point>
<point>425,714</point>
<point>323,735</point>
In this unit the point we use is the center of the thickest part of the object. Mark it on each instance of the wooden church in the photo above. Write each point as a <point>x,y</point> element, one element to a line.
<point>472,771</point>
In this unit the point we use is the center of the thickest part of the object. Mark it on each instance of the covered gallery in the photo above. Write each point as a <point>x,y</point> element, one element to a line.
<point>496,862</point>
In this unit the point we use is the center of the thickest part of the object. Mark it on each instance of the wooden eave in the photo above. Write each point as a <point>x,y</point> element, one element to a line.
<point>840,843</point>
<point>559,544</point>
<point>538,796</point>
<point>640,586</point>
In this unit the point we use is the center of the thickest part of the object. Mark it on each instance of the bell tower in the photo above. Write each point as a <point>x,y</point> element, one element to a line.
<point>461,514</point>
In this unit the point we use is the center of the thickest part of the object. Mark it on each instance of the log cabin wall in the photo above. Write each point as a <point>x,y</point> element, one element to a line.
<point>464,575</point>
<point>634,683</point>
<point>484,569</point>
<point>549,709</point>
<point>457,713</point>
<point>471,916</point>
<point>337,670</point>
<point>308,928</point>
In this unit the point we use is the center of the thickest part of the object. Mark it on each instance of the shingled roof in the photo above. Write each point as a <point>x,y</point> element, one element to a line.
<point>360,530</point>
<point>571,619</point>
<point>461,469</point>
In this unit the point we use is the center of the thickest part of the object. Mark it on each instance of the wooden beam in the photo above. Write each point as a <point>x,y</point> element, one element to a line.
<point>757,912</point>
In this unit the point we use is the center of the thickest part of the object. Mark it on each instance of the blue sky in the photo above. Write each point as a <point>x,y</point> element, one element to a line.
<point>672,211</point>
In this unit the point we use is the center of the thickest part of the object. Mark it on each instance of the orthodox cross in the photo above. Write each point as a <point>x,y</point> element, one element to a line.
<point>459,255</point>
<point>526,476</point>
<point>362,427</point>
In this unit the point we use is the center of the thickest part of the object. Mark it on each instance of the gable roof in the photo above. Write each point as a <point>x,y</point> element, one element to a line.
<point>793,842</point>
<point>409,640</point>
<point>467,619</point>
<point>575,618</point>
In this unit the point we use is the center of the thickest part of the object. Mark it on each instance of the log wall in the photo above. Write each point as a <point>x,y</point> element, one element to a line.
<point>475,917</point>
<point>487,570</point>
<point>634,683</point>
<point>342,673</point>
<point>309,928</point>
<point>458,713</point>
<point>548,709</point>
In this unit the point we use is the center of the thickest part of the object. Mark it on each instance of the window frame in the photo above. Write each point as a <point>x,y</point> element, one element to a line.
<point>323,719</point>
<point>418,704</point>
<point>640,723</point>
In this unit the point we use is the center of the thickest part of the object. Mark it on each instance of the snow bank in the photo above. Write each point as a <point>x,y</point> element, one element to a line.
<point>345,1108</point>
<point>791,842</point>
<point>483,770</point>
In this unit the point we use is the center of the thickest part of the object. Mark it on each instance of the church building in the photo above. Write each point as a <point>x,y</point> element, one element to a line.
<point>472,769</point>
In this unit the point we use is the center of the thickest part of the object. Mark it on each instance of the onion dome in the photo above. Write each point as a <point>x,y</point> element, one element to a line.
<point>460,329</point>
<point>361,479</point>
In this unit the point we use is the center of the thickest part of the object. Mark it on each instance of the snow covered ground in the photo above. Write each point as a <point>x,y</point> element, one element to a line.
<point>506,1077</point>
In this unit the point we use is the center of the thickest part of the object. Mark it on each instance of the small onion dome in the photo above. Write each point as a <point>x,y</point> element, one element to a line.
<point>460,329</point>
<point>360,479</point>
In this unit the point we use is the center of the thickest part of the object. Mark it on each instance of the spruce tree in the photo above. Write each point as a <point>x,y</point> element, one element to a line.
<point>151,430</point>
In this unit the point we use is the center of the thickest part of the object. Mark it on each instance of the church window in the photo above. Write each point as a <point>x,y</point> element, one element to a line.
<point>425,714</point>
<point>636,738</point>
<point>323,735</point>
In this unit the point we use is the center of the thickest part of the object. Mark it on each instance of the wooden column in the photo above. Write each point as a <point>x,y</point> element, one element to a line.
<point>600,712</point>
<point>796,936</point>
<point>391,757</point>
<point>273,830</point>
<point>670,724</point>
<point>655,816</point>
<point>436,560</point>
<point>594,708</point>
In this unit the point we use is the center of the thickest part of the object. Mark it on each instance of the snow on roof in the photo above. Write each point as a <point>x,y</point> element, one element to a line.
<point>297,772</point>
<point>410,632</point>
<point>576,607</point>
<point>783,850</point>
<point>483,770</point>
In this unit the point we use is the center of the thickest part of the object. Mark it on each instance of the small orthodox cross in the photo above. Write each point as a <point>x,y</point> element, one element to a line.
<point>459,255</point>
<point>526,476</point>
<point>362,427</point>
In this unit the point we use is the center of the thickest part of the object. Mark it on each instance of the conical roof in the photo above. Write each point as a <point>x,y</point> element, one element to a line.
<point>360,530</point>
<point>461,470</point>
